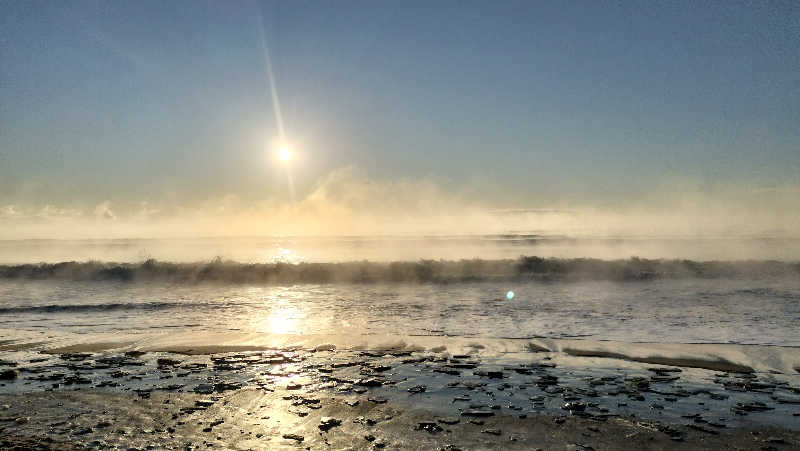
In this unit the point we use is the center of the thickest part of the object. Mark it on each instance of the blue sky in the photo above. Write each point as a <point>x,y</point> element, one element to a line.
<point>511,103</point>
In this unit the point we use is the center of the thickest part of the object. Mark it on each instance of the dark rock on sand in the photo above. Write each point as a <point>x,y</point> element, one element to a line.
<point>754,406</point>
<point>520,369</point>
<point>295,437</point>
<point>75,357</point>
<point>477,413</point>
<point>579,447</point>
<point>665,370</point>
<point>449,420</point>
<point>75,379</point>
<point>429,426</point>
<point>204,389</point>
<point>225,386</point>
<point>204,403</point>
<point>326,423</point>
<point>639,384</point>
<point>369,382</point>
<point>574,406</point>
<point>491,374</point>
<point>167,362</point>
<point>546,380</point>
<point>702,429</point>
<point>8,375</point>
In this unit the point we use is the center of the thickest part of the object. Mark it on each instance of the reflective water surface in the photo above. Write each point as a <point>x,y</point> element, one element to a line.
<point>764,311</point>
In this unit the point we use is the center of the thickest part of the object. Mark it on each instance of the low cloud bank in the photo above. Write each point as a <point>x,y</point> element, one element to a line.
<point>348,202</point>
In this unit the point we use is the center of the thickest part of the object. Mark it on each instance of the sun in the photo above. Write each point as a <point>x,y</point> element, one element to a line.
<point>284,154</point>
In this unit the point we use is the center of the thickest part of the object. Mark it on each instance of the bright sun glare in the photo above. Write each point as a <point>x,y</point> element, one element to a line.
<point>284,154</point>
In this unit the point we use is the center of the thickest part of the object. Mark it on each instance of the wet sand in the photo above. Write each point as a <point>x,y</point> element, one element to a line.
<point>253,419</point>
<point>327,398</point>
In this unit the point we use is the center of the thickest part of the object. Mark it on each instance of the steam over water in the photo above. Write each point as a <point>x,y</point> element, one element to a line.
<point>382,249</point>
<point>633,300</point>
<point>266,287</point>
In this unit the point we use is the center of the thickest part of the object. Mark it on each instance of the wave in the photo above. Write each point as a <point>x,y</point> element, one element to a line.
<point>710,356</point>
<point>708,363</point>
<point>423,271</point>
<point>80,308</point>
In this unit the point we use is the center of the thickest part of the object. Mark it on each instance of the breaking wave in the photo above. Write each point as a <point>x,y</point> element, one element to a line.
<point>423,271</point>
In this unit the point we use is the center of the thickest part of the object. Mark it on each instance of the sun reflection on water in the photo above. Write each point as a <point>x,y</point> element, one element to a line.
<point>281,254</point>
<point>297,310</point>
<point>282,319</point>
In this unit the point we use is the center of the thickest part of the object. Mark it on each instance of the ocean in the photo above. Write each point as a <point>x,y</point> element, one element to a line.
<point>674,330</point>
<point>379,289</point>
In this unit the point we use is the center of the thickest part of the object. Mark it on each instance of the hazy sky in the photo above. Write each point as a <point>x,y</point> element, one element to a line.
<point>110,109</point>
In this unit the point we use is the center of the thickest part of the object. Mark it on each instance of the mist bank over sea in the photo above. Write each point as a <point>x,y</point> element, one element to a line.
<point>403,248</point>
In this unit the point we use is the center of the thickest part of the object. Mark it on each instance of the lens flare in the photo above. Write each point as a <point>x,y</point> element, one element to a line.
<point>510,295</point>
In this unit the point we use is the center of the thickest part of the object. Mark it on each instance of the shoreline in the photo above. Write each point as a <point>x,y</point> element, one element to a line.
<point>726,357</point>
<point>406,398</point>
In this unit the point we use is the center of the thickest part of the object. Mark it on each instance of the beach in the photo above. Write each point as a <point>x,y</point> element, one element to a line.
<point>526,353</point>
<point>253,396</point>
